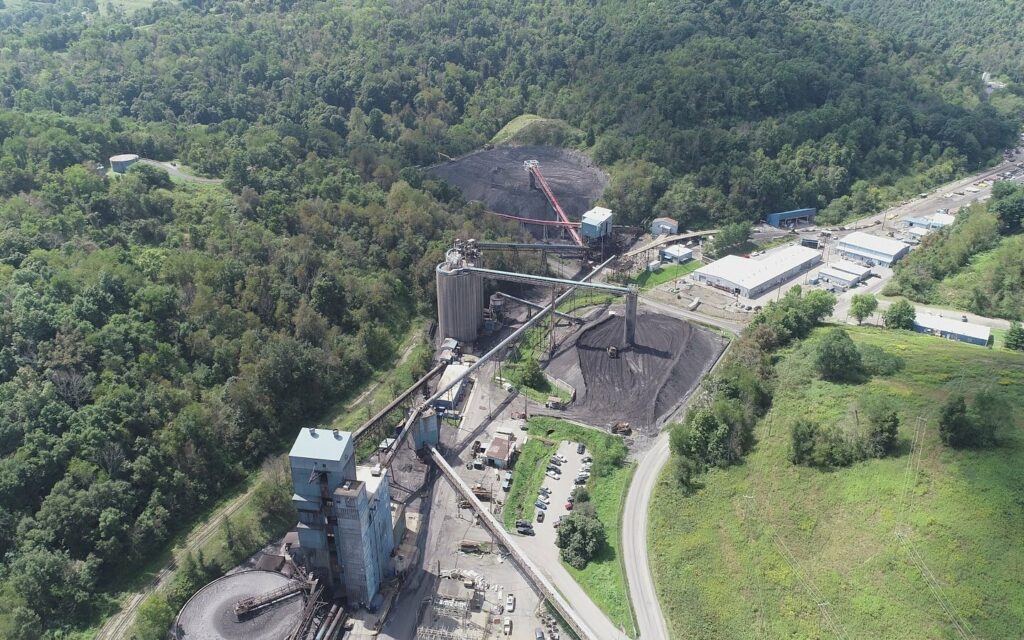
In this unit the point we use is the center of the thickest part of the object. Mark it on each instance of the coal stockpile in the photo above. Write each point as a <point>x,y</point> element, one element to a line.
<point>646,382</point>
<point>496,177</point>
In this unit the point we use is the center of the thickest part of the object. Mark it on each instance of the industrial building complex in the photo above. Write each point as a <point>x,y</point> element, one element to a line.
<point>345,531</point>
<point>872,250</point>
<point>751,278</point>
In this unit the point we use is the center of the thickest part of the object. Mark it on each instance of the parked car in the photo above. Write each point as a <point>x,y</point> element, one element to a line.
<point>586,459</point>
<point>507,626</point>
<point>538,634</point>
<point>540,505</point>
<point>525,531</point>
<point>556,462</point>
<point>544,490</point>
<point>579,481</point>
<point>551,474</point>
<point>580,449</point>
<point>510,603</point>
<point>555,468</point>
<point>568,506</point>
<point>540,516</point>
<point>543,498</point>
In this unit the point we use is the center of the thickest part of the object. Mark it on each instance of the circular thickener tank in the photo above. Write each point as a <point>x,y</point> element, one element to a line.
<point>210,615</point>
<point>460,303</point>
<point>120,163</point>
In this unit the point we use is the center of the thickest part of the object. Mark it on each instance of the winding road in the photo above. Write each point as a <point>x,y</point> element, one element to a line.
<point>175,172</point>
<point>649,618</point>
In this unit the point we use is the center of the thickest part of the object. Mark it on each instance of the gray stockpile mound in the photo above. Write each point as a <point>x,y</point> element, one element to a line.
<point>647,381</point>
<point>209,614</point>
<point>497,179</point>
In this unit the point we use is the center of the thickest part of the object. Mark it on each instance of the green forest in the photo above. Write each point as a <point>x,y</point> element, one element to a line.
<point>982,34</point>
<point>159,338</point>
<point>976,264</point>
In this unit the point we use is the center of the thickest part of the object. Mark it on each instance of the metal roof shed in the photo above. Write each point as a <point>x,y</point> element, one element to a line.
<point>952,329</point>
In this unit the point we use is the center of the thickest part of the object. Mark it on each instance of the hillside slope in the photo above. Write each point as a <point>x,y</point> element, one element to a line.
<point>983,35</point>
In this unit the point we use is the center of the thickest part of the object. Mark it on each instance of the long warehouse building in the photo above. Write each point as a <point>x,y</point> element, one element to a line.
<point>751,278</point>
<point>872,250</point>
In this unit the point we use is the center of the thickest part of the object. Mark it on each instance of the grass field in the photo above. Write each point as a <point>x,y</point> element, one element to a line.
<point>759,550</point>
<point>533,129</point>
<point>603,577</point>
<point>650,279</point>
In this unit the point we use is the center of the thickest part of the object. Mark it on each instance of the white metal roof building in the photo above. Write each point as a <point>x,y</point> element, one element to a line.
<point>596,222</point>
<point>835,276</point>
<point>751,278</point>
<point>952,329</point>
<point>662,226</point>
<point>451,398</point>
<point>871,250</point>
<point>676,253</point>
<point>858,270</point>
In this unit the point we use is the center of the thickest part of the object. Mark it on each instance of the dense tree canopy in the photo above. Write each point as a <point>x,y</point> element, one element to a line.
<point>158,339</point>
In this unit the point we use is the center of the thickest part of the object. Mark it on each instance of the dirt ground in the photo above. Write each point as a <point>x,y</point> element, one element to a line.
<point>497,178</point>
<point>646,382</point>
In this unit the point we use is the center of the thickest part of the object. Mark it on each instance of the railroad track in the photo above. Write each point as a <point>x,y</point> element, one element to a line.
<point>119,624</point>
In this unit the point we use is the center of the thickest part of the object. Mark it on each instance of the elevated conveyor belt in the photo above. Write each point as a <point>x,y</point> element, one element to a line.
<point>530,570</point>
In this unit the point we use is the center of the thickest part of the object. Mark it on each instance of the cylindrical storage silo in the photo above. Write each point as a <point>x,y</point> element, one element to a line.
<point>460,303</point>
<point>120,163</point>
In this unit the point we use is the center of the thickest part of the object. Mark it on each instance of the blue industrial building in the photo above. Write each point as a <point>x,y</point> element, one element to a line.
<point>789,219</point>
<point>345,532</point>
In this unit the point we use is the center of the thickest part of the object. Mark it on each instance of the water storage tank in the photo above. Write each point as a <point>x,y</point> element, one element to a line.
<point>460,302</point>
<point>120,164</point>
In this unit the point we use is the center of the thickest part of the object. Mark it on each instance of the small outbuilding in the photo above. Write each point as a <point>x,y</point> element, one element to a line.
<point>837,277</point>
<point>596,223</point>
<point>860,271</point>
<point>952,329</point>
<point>664,226</point>
<point>677,253</point>
<point>790,219</point>
<point>499,453</point>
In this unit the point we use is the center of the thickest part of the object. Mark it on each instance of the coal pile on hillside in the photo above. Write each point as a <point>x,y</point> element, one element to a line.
<point>646,382</point>
<point>497,178</point>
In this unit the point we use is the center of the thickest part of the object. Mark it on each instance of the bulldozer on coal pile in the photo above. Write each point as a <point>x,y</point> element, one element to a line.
<point>622,429</point>
<point>613,352</point>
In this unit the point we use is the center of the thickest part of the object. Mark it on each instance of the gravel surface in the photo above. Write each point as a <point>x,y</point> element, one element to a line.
<point>497,178</point>
<point>646,382</point>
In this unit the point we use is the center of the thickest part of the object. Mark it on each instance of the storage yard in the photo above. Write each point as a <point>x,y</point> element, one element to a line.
<point>645,382</point>
<point>496,177</point>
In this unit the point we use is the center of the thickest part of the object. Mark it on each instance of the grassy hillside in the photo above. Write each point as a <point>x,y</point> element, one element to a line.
<point>532,129</point>
<point>767,549</point>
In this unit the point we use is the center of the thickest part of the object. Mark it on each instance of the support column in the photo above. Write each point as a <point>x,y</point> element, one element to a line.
<point>631,301</point>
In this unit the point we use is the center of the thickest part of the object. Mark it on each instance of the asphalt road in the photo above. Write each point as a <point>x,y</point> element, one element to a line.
<point>649,618</point>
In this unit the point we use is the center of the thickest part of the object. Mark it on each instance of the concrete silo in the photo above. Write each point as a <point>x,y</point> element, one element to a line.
<point>460,300</point>
<point>120,163</point>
